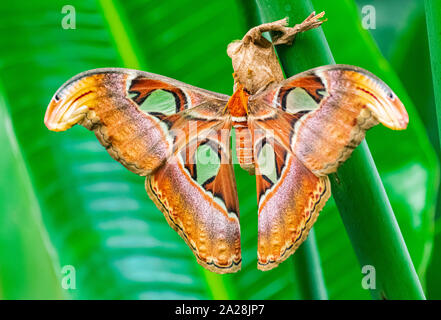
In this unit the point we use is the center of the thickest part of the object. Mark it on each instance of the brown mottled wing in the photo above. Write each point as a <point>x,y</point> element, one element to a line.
<point>304,128</point>
<point>332,106</point>
<point>125,109</point>
<point>290,198</point>
<point>161,128</point>
<point>196,191</point>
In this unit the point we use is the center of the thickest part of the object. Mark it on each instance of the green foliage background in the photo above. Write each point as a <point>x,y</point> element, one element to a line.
<point>64,201</point>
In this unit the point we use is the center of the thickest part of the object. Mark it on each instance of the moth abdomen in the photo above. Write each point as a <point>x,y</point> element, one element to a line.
<point>244,147</point>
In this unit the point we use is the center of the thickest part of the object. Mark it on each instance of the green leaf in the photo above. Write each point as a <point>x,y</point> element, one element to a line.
<point>309,270</point>
<point>433,16</point>
<point>26,267</point>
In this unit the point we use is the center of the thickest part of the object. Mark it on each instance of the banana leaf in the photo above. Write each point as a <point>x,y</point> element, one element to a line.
<point>27,268</point>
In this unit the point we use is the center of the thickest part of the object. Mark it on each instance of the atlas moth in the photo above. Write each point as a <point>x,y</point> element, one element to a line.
<point>290,133</point>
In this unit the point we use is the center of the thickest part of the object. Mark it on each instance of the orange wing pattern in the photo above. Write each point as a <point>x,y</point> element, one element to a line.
<point>334,105</point>
<point>161,128</point>
<point>196,191</point>
<point>303,129</point>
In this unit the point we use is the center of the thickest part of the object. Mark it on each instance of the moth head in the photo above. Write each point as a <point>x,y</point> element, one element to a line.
<point>69,105</point>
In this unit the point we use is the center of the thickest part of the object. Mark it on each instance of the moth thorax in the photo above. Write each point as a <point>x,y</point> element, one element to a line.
<point>244,147</point>
<point>238,104</point>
